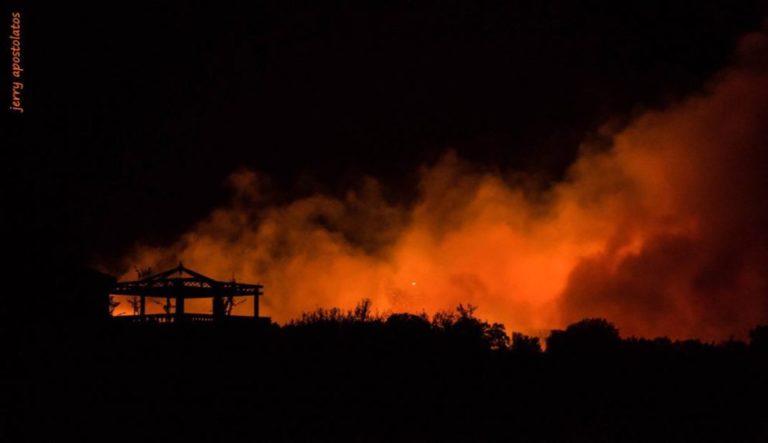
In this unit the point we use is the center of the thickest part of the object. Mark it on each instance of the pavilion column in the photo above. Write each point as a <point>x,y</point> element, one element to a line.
<point>218,307</point>
<point>142,307</point>
<point>179,308</point>
<point>256,306</point>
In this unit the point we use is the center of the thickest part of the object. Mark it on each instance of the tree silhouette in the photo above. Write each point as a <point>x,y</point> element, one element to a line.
<point>591,335</point>
<point>113,304</point>
<point>362,310</point>
<point>525,345</point>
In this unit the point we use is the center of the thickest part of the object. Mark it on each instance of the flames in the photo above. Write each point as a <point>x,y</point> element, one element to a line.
<point>663,233</point>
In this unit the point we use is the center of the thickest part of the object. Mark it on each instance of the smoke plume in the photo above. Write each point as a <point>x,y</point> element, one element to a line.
<point>663,231</point>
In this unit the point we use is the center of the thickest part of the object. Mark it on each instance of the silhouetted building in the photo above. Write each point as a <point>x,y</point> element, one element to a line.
<point>179,284</point>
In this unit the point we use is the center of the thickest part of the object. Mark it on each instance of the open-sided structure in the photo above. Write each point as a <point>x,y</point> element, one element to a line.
<point>179,284</point>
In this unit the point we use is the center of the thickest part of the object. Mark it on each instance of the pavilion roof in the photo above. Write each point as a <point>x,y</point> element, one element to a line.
<point>185,283</point>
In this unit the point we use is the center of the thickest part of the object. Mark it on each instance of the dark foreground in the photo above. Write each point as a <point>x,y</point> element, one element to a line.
<point>348,377</point>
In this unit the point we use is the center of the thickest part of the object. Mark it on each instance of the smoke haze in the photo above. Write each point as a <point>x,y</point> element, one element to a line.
<point>658,227</point>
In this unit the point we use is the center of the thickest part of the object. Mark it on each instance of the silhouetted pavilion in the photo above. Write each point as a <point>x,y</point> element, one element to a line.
<point>179,284</point>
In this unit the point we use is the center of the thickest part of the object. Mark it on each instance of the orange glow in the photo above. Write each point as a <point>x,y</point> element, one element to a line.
<point>154,305</point>
<point>662,234</point>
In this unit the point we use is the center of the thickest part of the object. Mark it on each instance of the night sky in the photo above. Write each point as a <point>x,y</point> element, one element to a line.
<point>136,114</point>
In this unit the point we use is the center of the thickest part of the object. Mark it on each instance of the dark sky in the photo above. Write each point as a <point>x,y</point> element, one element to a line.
<point>135,115</point>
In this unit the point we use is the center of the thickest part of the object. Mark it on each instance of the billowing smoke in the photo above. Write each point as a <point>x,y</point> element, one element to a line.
<point>661,232</point>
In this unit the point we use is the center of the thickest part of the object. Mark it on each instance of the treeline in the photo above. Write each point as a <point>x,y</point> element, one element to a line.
<point>461,328</point>
<point>335,375</point>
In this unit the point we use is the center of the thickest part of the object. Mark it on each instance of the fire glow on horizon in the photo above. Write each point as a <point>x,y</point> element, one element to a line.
<point>662,234</point>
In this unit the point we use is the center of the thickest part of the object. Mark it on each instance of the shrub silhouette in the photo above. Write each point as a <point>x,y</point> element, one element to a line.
<point>591,336</point>
<point>525,345</point>
<point>457,329</point>
<point>408,323</point>
<point>466,330</point>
